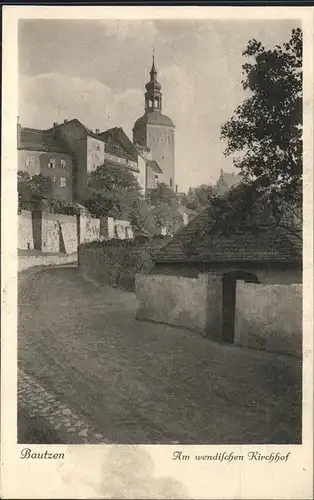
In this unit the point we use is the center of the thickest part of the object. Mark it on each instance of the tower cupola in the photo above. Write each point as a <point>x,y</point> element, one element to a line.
<point>153,95</point>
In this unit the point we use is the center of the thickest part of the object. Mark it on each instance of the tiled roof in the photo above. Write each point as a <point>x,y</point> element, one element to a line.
<point>268,243</point>
<point>123,140</point>
<point>154,166</point>
<point>113,146</point>
<point>41,140</point>
<point>116,149</point>
<point>85,130</point>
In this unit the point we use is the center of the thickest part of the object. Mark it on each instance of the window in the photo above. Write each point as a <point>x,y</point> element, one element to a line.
<point>62,163</point>
<point>53,179</point>
<point>62,182</point>
<point>52,163</point>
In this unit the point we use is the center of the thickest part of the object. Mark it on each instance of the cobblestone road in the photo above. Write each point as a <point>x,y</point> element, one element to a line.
<point>39,405</point>
<point>106,377</point>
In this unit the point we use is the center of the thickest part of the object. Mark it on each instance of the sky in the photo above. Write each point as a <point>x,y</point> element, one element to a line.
<point>96,71</point>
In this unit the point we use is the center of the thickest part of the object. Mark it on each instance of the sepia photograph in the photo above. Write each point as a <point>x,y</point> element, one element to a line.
<point>159,178</point>
<point>157,252</point>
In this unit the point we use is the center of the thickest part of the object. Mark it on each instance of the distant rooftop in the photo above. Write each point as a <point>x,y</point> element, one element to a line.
<point>196,243</point>
<point>227,180</point>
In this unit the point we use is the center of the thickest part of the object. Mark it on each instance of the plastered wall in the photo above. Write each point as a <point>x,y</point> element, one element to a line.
<point>89,229</point>
<point>68,232</point>
<point>25,231</point>
<point>269,317</point>
<point>48,233</point>
<point>180,301</point>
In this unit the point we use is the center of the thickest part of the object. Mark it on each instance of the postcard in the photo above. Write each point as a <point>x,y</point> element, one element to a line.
<point>157,252</point>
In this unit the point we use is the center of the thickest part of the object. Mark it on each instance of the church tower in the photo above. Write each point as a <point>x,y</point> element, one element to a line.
<point>156,131</point>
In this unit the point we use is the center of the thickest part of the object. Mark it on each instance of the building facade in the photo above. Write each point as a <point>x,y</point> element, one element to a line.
<point>68,152</point>
<point>40,152</point>
<point>227,181</point>
<point>156,131</point>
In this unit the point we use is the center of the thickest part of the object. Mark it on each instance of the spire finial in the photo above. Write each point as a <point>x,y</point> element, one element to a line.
<point>153,71</point>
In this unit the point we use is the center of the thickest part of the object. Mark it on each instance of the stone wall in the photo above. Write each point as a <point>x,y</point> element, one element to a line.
<point>54,233</point>
<point>269,317</point>
<point>116,262</point>
<point>50,233</point>
<point>89,229</point>
<point>68,233</point>
<point>193,303</point>
<point>25,261</point>
<point>267,273</point>
<point>105,228</point>
<point>25,231</point>
<point>123,230</point>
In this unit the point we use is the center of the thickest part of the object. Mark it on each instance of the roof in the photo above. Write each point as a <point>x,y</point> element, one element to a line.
<point>113,145</point>
<point>227,180</point>
<point>108,137</point>
<point>50,141</point>
<point>41,140</point>
<point>154,118</point>
<point>154,166</point>
<point>85,130</point>
<point>121,138</point>
<point>268,244</point>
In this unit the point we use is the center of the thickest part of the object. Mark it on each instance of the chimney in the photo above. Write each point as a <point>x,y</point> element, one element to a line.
<point>97,131</point>
<point>55,124</point>
<point>65,120</point>
<point>176,188</point>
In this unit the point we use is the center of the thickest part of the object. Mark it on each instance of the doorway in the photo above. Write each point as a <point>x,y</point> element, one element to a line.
<point>229,283</point>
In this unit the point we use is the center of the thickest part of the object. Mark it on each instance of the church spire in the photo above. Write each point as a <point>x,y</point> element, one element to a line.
<point>153,72</point>
<point>153,96</point>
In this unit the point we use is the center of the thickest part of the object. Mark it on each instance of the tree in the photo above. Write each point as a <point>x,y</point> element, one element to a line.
<point>243,208</point>
<point>165,209</point>
<point>163,194</point>
<point>142,219</point>
<point>112,192</point>
<point>115,192</point>
<point>266,129</point>
<point>33,192</point>
<point>199,197</point>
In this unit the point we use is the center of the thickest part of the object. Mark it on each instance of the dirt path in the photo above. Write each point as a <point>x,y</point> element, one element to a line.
<point>139,382</point>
